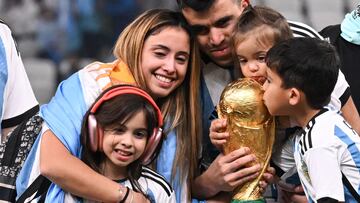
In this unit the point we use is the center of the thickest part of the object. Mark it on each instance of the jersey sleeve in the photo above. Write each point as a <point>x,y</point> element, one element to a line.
<point>324,172</point>
<point>341,93</point>
<point>167,198</point>
<point>156,187</point>
<point>18,101</point>
<point>302,30</point>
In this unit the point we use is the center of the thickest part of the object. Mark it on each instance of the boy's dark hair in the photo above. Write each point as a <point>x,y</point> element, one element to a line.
<point>309,64</point>
<point>118,110</point>
<point>197,5</point>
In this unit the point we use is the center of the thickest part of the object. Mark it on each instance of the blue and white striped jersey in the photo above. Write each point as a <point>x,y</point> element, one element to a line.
<point>157,189</point>
<point>327,151</point>
<point>17,100</point>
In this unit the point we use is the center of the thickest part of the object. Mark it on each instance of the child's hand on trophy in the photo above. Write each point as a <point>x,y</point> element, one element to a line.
<point>267,178</point>
<point>218,136</point>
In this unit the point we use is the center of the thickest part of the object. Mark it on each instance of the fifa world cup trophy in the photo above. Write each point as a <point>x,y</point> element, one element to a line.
<point>249,125</point>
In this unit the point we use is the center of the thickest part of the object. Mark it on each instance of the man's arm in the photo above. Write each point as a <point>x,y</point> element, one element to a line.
<point>74,176</point>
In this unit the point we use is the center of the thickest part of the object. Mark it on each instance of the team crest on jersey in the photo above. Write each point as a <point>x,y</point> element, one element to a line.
<point>305,170</point>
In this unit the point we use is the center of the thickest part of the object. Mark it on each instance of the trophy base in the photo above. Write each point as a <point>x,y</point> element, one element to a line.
<point>248,201</point>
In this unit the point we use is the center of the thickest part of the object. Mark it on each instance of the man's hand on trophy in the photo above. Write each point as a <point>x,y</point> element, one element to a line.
<point>218,136</point>
<point>227,172</point>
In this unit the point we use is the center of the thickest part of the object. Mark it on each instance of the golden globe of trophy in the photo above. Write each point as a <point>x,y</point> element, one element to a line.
<point>249,125</point>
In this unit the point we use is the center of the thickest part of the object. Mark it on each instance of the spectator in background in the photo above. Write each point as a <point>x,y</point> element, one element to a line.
<point>91,25</point>
<point>59,34</point>
<point>49,35</point>
<point>71,30</point>
<point>21,15</point>
<point>149,4</point>
<point>117,14</point>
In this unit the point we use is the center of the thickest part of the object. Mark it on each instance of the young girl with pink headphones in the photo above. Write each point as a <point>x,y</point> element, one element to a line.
<point>120,134</point>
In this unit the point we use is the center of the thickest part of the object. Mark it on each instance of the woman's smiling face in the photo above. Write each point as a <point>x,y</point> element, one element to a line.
<point>165,59</point>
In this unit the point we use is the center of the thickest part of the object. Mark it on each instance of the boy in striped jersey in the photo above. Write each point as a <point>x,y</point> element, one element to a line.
<point>302,74</point>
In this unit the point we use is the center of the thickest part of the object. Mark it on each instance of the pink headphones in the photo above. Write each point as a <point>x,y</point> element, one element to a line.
<point>96,132</point>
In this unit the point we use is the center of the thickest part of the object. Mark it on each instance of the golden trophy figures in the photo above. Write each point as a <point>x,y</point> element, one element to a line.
<point>249,125</point>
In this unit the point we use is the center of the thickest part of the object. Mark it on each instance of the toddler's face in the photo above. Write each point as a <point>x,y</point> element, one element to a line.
<point>251,56</point>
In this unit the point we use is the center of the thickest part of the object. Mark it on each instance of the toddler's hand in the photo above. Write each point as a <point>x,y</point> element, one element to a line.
<point>267,178</point>
<point>218,136</point>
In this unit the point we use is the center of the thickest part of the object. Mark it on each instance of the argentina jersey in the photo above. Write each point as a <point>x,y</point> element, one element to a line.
<point>152,184</point>
<point>17,100</point>
<point>328,158</point>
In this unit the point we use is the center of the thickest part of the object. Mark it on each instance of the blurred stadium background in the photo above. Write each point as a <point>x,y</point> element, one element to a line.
<point>57,37</point>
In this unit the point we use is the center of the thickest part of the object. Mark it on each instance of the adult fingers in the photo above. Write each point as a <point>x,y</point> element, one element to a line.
<point>219,136</point>
<point>218,125</point>
<point>218,143</point>
<point>242,176</point>
<point>247,171</point>
<point>236,155</point>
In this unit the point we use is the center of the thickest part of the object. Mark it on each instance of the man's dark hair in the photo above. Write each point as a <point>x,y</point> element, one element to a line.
<point>197,5</point>
<point>309,64</point>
